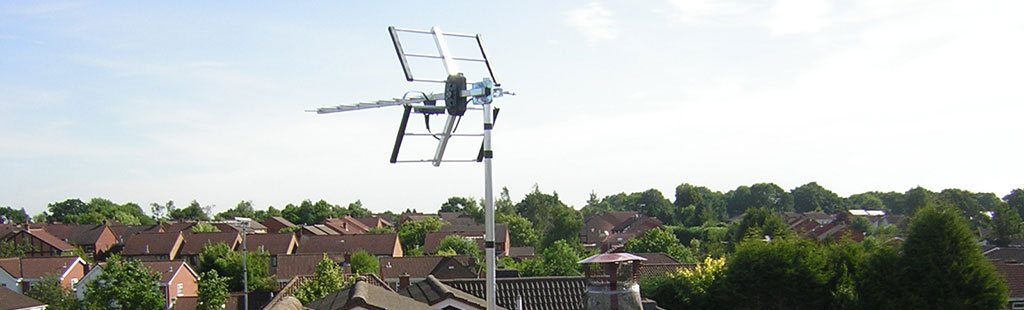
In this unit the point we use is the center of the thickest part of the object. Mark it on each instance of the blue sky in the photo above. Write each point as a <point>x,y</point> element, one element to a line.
<point>193,100</point>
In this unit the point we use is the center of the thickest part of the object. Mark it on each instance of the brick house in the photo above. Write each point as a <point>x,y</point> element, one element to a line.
<point>18,274</point>
<point>377,245</point>
<point>153,246</point>
<point>38,243</point>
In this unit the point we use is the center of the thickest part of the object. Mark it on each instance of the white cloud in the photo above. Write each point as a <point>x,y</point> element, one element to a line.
<point>799,16</point>
<point>594,20</point>
<point>705,10</point>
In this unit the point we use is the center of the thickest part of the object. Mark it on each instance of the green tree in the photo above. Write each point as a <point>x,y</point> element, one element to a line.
<point>194,212</point>
<point>781,274</point>
<point>520,230</point>
<point>356,209</point>
<point>660,240</point>
<point>758,222</point>
<point>363,262</point>
<point>1016,201</point>
<point>561,259</point>
<point>813,197</point>
<point>879,283</point>
<point>228,263</point>
<point>263,215</point>
<point>12,249</point>
<point>328,280</point>
<point>866,201</point>
<point>10,215</point>
<point>460,246</point>
<point>942,260</point>
<point>708,206</point>
<point>308,213</point>
<point>204,227</point>
<point>413,234</point>
<point>916,199</point>
<point>242,209</point>
<point>124,285</point>
<point>702,287</point>
<point>381,231</point>
<point>49,290</point>
<point>1006,225</point>
<point>465,205</point>
<point>60,211</point>
<point>213,291</point>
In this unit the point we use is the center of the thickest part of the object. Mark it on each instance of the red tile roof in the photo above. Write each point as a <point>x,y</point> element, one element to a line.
<point>167,269</point>
<point>347,225</point>
<point>37,267</point>
<point>194,242</point>
<point>160,243</point>
<point>379,245</point>
<point>52,240</point>
<point>274,244</point>
<point>421,266</point>
<point>1014,274</point>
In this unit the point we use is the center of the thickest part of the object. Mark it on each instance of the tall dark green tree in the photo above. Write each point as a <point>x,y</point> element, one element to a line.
<point>10,215</point>
<point>813,197</point>
<point>1016,201</point>
<point>1006,225</point>
<point>943,268</point>
<point>915,199</point>
<point>194,212</point>
<point>413,234</point>
<point>464,205</point>
<point>708,206</point>
<point>781,274</point>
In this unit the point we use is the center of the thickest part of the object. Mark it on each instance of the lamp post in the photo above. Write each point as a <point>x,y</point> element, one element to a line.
<point>244,223</point>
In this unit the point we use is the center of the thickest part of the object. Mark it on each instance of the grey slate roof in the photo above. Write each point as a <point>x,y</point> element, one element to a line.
<point>431,291</point>
<point>365,295</point>
<point>539,293</point>
<point>13,300</point>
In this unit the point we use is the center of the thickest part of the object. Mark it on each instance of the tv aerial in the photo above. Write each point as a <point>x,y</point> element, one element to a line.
<point>459,96</point>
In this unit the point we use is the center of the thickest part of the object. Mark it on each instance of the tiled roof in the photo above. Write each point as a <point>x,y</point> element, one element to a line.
<point>178,226</point>
<point>167,269</point>
<point>346,225</point>
<point>160,243</point>
<point>1014,274</point>
<point>365,295</point>
<point>421,266</point>
<point>648,271</point>
<point>638,224</point>
<point>657,258</point>
<point>406,217</point>
<point>1006,254</point>
<point>37,267</point>
<point>124,232</point>
<point>185,303</point>
<point>194,242</point>
<point>431,291</point>
<point>319,230</point>
<point>386,244</point>
<point>290,266</point>
<point>457,218</point>
<point>276,223</point>
<point>521,251</point>
<point>12,300</point>
<point>74,234</point>
<point>500,230</point>
<point>52,240</point>
<point>375,221</point>
<point>538,293</point>
<point>275,244</point>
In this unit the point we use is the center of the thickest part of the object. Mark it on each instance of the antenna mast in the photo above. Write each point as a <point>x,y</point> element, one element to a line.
<point>456,96</point>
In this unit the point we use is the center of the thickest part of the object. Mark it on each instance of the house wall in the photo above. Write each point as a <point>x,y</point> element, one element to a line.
<point>36,247</point>
<point>8,281</point>
<point>76,274</point>
<point>106,241</point>
<point>92,275</point>
<point>190,284</point>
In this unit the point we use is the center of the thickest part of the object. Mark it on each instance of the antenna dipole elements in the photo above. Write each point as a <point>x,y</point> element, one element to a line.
<point>443,53</point>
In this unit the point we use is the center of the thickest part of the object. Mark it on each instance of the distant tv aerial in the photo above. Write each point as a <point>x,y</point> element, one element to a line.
<point>457,96</point>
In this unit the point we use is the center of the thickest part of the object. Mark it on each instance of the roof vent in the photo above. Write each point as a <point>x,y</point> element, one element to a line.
<point>147,249</point>
<point>170,269</point>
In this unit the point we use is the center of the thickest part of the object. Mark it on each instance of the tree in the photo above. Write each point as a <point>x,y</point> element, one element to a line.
<point>328,280</point>
<point>812,197</point>
<point>757,223</point>
<point>781,274</point>
<point>308,213</point>
<point>381,231</point>
<point>124,285</point>
<point>520,229</point>
<point>413,234</point>
<point>363,262</point>
<point>263,215</point>
<point>213,291</point>
<point>220,257</point>
<point>561,259</point>
<point>193,212</point>
<point>356,209</point>
<point>945,267</point>
<point>866,201</point>
<point>915,199</point>
<point>60,211</point>
<point>204,228</point>
<point>660,240</point>
<point>242,209</point>
<point>460,246</point>
<point>12,249</point>
<point>1006,225</point>
<point>464,205</point>
<point>702,287</point>
<point>49,291</point>
<point>708,205</point>
<point>1016,201</point>
<point>9,215</point>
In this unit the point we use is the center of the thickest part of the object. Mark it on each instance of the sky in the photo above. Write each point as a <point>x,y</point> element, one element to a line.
<point>199,100</point>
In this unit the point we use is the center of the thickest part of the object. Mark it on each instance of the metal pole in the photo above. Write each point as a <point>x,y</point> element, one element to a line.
<point>489,212</point>
<point>245,265</point>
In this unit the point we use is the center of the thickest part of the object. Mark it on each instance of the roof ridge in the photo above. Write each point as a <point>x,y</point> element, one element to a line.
<point>359,290</point>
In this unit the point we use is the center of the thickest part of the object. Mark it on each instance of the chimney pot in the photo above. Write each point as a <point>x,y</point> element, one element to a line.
<point>403,280</point>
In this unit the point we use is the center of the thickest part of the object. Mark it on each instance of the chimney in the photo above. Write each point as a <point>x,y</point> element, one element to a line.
<point>403,280</point>
<point>147,249</point>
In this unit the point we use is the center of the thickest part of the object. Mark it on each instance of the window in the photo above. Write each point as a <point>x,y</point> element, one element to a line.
<point>1018,305</point>
<point>181,289</point>
<point>74,284</point>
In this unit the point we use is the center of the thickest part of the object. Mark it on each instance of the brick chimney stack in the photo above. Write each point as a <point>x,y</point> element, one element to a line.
<point>403,280</point>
